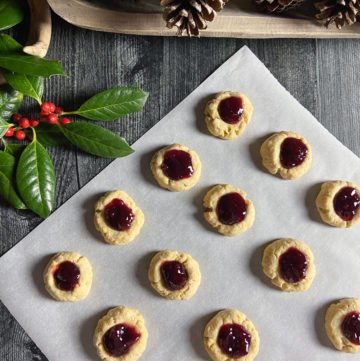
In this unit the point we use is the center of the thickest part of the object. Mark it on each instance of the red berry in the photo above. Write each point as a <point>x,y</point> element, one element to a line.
<point>34,122</point>
<point>52,107</point>
<point>52,118</point>
<point>24,123</point>
<point>20,135</point>
<point>58,110</point>
<point>65,121</point>
<point>46,108</point>
<point>9,132</point>
<point>16,117</point>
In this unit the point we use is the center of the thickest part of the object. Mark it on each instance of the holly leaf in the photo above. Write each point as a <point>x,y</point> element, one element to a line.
<point>96,140</point>
<point>32,86</point>
<point>3,127</point>
<point>49,135</point>
<point>30,65</point>
<point>35,178</point>
<point>8,44</point>
<point>7,189</point>
<point>14,149</point>
<point>10,102</point>
<point>113,103</point>
<point>10,14</point>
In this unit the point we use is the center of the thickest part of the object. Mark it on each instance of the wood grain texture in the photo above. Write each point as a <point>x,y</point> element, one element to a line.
<point>320,74</point>
<point>238,20</point>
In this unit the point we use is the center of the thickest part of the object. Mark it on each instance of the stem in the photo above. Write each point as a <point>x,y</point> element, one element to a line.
<point>69,113</point>
<point>4,142</point>
<point>34,134</point>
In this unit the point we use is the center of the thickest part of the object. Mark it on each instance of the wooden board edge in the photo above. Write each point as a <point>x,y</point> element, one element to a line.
<point>91,17</point>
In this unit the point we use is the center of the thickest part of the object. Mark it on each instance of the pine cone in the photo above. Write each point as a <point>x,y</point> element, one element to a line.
<point>190,16</point>
<point>277,6</point>
<point>340,12</point>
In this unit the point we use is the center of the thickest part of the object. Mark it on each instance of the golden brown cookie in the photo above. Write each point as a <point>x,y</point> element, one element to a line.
<point>338,203</point>
<point>289,264</point>
<point>121,335</point>
<point>342,325</point>
<point>118,218</point>
<point>68,277</point>
<point>174,275</point>
<point>286,153</point>
<point>230,336</point>
<point>228,114</point>
<point>227,209</point>
<point>176,167</point>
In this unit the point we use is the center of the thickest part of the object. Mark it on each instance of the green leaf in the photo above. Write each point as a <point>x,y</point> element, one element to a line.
<point>10,14</point>
<point>7,171</point>
<point>96,140</point>
<point>49,135</point>
<point>10,102</point>
<point>32,86</point>
<point>3,127</point>
<point>14,149</point>
<point>113,103</point>
<point>31,65</point>
<point>35,177</point>
<point>9,45</point>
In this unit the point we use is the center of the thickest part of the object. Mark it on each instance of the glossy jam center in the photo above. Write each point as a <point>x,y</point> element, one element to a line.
<point>231,109</point>
<point>118,215</point>
<point>293,265</point>
<point>231,208</point>
<point>67,276</point>
<point>177,164</point>
<point>119,339</point>
<point>346,203</point>
<point>233,340</point>
<point>292,153</point>
<point>351,327</point>
<point>174,275</point>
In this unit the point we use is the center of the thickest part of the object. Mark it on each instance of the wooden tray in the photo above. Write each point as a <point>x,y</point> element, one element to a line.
<point>238,20</point>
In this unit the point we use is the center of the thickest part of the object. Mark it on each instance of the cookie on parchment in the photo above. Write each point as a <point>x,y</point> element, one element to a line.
<point>286,153</point>
<point>121,335</point>
<point>118,218</point>
<point>338,203</point>
<point>342,324</point>
<point>228,210</point>
<point>230,336</point>
<point>174,275</point>
<point>68,277</point>
<point>176,168</point>
<point>289,264</point>
<point>228,114</point>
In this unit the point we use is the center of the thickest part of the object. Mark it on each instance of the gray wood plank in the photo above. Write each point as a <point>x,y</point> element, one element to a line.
<point>320,74</point>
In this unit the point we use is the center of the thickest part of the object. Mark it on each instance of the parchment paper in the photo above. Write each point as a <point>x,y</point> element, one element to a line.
<point>291,326</point>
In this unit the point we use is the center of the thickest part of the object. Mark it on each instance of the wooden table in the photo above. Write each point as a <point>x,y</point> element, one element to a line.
<point>322,74</point>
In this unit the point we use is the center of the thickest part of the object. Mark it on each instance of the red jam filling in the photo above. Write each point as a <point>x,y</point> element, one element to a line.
<point>177,164</point>
<point>67,276</point>
<point>351,327</point>
<point>231,110</point>
<point>174,275</point>
<point>292,153</point>
<point>119,339</point>
<point>231,209</point>
<point>118,215</point>
<point>293,265</point>
<point>346,203</point>
<point>233,340</point>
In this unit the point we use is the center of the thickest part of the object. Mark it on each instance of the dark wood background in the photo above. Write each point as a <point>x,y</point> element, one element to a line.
<point>322,74</point>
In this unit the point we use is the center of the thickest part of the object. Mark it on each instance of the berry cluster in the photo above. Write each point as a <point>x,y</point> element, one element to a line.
<point>50,113</point>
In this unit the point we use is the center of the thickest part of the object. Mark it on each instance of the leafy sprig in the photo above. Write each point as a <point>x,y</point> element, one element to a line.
<point>27,174</point>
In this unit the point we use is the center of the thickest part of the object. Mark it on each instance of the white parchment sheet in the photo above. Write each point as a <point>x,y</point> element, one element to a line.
<point>291,326</point>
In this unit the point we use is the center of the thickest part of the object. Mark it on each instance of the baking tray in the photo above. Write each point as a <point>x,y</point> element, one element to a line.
<point>238,20</point>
